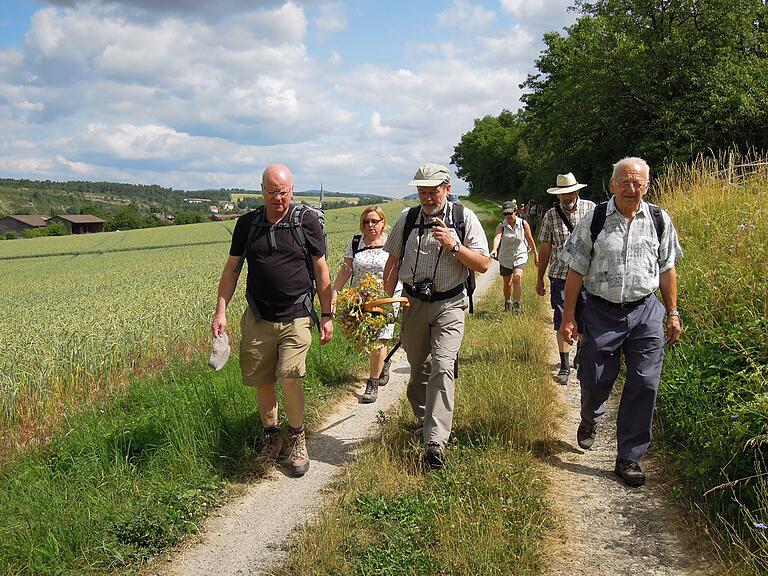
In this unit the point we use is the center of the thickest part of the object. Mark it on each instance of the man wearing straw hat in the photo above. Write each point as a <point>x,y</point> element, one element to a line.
<point>427,255</point>
<point>622,252</point>
<point>558,223</point>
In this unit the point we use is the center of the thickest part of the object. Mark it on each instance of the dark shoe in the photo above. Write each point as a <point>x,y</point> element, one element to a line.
<point>298,461</point>
<point>629,472</point>
<point>384,376</point>
<point>507,306</point>
<point>371,391</point>
<point>435,456</point>
<point>585,435</point>
<point>562,376</point>
<point>515,307</point>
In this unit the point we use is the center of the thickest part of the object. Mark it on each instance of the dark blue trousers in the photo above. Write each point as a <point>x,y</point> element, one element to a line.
<point>639,334</point>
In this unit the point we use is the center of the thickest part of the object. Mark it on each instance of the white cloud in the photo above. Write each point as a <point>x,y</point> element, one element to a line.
<point>330,19</point>
<point>76,167</point>
<point>546,14</point>
<point>27,105</point>
<point>466,16</point>
<point>377,127</point>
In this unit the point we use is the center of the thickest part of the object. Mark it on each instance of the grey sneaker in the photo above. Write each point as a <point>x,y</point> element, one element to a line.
<point>273,446</point>
<point>384,376</point>
<point>298,460</point>
<point>371,391</point>
<point>435,456</point>
<point>562,376</point>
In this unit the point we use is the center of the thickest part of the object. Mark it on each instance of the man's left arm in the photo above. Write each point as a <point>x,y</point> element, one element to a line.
<point>668,286</point>
<point>323,280</point>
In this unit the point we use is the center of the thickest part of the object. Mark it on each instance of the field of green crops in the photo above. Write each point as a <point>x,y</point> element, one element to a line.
<point>82,313</point>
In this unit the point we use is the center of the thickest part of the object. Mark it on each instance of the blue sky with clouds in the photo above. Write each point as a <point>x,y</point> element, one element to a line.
<point>197,94</point>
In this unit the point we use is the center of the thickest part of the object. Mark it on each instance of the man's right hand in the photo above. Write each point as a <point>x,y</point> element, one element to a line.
<point>568,330</point>
<point>540,290</point>
<point>219,323</point>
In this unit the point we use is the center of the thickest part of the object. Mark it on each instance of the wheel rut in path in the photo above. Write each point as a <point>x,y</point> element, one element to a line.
<point>607,528</point>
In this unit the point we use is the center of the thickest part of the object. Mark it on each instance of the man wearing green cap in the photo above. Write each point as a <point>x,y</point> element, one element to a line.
<point>432,250</point>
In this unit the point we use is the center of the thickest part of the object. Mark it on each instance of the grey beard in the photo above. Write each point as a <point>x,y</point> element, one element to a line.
<point>433,210</point>
<point>569,207</point>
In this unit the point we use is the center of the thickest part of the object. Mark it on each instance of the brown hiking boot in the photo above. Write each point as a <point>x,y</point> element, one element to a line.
<point>273,446</point>
<point>298,461</point>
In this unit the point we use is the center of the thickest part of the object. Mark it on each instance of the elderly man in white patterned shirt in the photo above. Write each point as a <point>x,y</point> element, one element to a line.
<point>622,263</point>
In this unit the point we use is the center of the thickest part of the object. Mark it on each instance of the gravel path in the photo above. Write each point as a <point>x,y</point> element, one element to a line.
<point>606,527</point>
<point>244,537</point>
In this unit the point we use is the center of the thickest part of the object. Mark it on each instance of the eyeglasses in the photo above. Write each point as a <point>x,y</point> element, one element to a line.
<point>369,222</point>
<point>276,193</point>
<point>509,213</point>
<point>637,184</point>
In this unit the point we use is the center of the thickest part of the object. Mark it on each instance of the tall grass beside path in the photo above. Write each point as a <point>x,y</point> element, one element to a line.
<point>712,412</point>
<point>486,512</point>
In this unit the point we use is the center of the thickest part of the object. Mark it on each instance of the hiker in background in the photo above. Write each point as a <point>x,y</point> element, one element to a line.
<point>511,244</point>
<point>558,223</point>
<point>533,215</point>
<point>365,255</point>
<point>433,249</point>
<point>276,325</point>
<point>622,252</point>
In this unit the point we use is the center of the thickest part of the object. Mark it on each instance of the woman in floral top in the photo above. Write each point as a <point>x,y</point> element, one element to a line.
<point>365,255</point>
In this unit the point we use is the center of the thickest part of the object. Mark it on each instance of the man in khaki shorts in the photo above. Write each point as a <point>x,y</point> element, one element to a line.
<point>426,253</point>
<point>276,325</point>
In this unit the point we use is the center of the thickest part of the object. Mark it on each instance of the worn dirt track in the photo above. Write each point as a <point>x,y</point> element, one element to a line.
<point>604,528</point>
<point>607,528</point>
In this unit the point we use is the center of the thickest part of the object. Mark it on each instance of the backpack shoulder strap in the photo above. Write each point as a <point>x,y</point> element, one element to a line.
<point>297,217</point>
<point>598,220</point>
<point>258,218</point>
<point>410,224</point>
<point>356,244</point>
<point>658,220</point>
<point>564,218</point>
<point>457,215</point>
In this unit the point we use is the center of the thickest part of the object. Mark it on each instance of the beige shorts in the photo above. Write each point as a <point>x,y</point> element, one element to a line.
<point>271,350</point>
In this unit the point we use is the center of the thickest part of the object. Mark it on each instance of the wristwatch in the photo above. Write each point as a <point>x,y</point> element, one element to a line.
<point>673,313</point>
<point>456,247</point>
<point>326,315</point>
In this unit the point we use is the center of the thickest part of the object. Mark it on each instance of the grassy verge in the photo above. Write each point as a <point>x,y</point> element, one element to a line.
<point>713,402</point>
<point>130,479</point>
<point>486,512</point>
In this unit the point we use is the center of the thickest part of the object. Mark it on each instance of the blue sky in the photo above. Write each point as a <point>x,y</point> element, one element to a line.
<point>197,94</point>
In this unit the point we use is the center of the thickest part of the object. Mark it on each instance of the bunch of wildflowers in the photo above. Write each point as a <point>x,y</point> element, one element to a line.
<point>361,327</point>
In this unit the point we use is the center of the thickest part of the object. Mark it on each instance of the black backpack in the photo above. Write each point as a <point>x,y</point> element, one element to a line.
<point>297,231</point>
<point>458,224</point>
<point>598,220</point>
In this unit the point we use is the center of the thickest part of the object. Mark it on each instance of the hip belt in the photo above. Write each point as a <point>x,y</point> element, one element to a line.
<point>436,296</point>
<point>620,305</point>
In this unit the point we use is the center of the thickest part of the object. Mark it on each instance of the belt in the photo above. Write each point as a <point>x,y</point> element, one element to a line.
<point>436,296</point>
<point>620,305</point>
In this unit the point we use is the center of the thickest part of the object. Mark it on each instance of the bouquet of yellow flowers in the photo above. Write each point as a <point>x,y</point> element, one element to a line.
<point>360,326</point>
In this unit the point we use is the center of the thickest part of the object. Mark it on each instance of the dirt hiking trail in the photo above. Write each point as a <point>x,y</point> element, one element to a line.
<point>605,528</point>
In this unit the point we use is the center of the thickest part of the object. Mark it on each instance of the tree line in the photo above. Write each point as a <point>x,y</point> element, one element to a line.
<point>666,80</point>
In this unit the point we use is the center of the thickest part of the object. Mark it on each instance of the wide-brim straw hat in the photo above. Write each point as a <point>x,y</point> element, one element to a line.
<point>566,183</point>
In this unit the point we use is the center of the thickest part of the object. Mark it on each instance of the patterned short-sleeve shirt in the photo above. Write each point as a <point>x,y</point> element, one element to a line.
<point>554,231</point>
<point>627,258</point>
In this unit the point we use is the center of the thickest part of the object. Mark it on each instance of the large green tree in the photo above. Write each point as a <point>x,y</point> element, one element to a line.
<point>492,157</point>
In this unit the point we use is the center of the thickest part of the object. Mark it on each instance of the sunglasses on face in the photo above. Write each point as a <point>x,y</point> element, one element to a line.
<point>369,222</point>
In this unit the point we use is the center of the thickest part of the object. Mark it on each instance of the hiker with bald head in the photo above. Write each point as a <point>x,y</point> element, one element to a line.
<point>622,252</point>
<point>433,249</point>
<point>284,247</point>
<point>558,223</point>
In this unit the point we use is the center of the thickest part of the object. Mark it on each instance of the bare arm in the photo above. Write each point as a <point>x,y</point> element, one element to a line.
<point>668,285</point>
<point>227,285</point>
<point>391,270</point>
<point>545,252</point>
<point>341,279</point>
<point>573,285</point>
<point>531,243</point>
<point>323,279</point>
<point>496,242</point>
